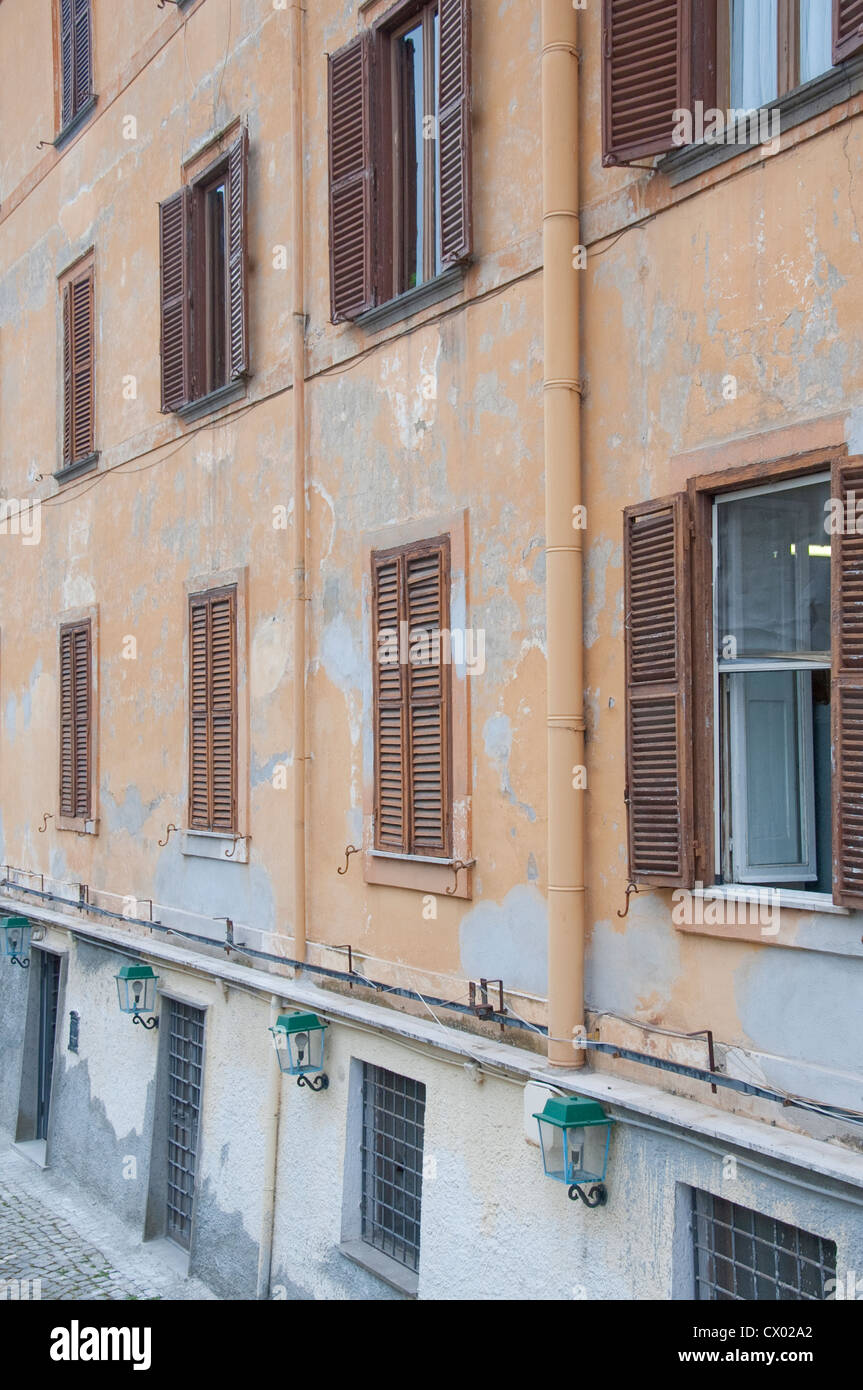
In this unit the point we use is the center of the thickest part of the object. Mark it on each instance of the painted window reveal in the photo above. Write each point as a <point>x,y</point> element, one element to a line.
<point>76,57</point>
<point>392,1163</point>
<point>732,55</point>
<point>213,710</point>
<point>400,154</point>
<point>76,719</point>
<point>203,255</point>
<point>78,368</point>
<point>741,1254</point>
<point>412,698</point>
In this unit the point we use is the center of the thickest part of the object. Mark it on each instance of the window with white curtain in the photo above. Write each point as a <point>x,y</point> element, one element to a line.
<point>768,47</point>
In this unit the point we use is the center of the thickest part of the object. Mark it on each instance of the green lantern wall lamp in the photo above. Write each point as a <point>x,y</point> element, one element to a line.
<point>299,1043</point>
<point>17,935</point>
<point>136,987</point>
<point>574,1134</point>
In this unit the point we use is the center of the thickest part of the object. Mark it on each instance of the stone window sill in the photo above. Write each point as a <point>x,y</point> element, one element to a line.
<point>416,871</point>
<point>214,400</point>
<point>375,1262</point>
<point>811,99</point>
<point>82,825</point>
<point>79,119</point>
<point>805,921</point>
<point>449,282</point>
<point>74,470</point>
<point>214,844</point>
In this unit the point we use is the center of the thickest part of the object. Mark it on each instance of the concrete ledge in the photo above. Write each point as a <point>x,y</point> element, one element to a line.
<point>211,844</point>
<point>403,1280</point>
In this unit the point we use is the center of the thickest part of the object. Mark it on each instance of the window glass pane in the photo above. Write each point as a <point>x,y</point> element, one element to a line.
<point>773,582</point>
<point>816,49</point>
<point>754,62</point>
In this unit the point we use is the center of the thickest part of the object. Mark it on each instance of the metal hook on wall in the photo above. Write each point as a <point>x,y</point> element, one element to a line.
<point>630,889</point>
<point>229,853</point>
<point>457,865</point>
<point>45,819</point>
<point>162,843</point>
<point>349,850</point>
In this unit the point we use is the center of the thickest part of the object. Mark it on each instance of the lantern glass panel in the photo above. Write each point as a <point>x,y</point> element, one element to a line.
<point>553,1140</point>
<point>589,1153</point>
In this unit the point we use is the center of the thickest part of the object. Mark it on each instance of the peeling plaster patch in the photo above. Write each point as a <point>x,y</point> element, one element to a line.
<point>497,737</point>
<point>808,1010</point>
<point>269,656</point>
<point>600,556</point>
<point>240,891</point>
<point>319,488</point>
<point>263,772</point>
<point>78,591</point>
<point>130,814</point>
<point>508,940</point>
<point>625,969</point>
<point>338,655</point>
<point>854,430</point>
<point>532,870</point>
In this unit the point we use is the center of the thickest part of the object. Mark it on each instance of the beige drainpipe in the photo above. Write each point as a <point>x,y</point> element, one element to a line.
<point>562,410</point>
<point>271,1150</point>
<point>299,422</point>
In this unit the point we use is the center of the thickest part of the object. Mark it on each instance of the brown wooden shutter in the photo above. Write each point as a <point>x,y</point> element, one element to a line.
<point>426,577</point>
<point>82,332</point>
<point>658,692</point>
<point>454,135</point>
<point>75,719</point>
<point>389,711</point>
<point>238,312</point>
<point>846,582</point>
<point>646,75</point>
<point>847,28</point>
<point>67,63</point>
<point>412,722</point>
<point>83,53</point>
<point>352,287</point>
<point>68,357</point>
<point>213,711</point>
<point>174,224</point>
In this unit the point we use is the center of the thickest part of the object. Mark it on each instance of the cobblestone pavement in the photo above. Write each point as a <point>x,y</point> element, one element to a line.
<point>51,1231</point>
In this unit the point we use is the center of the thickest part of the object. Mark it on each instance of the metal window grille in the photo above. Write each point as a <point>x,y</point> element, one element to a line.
<point>740,1254</point>
<point>185,1061</point>
<point>392,1162</point>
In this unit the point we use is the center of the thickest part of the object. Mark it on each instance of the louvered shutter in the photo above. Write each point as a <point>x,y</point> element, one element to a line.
<point>658,693</point>
<point>351,180</point>
<point>75,719</point>
<point>426,577</point>
<point>646,75</point>
<point>67,62</point>
<point>238,332</point>
<point>82,328</point>
<point>83,53</point>
<point>223,711</point>
<point>174,222</point>
<point>68,395</point>
<point>67,726</point>
<point>846,581</point>
<point>389,707</point>
<point>847,28</point>
<point>212,711</point>
<point>454,137</point>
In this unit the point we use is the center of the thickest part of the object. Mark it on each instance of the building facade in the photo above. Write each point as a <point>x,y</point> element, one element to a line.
<point>339,347</point>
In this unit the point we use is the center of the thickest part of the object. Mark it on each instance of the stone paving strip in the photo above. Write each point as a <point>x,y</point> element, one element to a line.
<point>53,1232</point>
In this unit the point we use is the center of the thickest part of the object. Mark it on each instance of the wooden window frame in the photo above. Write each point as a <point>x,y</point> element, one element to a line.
<point>70,621</point>
<point>421,872</point>
<point>701,490</point>
<point>787,50</point>
<point>73,462</point>
<point>204,377</point>
<point>393,121</point>
<point>195,842</point>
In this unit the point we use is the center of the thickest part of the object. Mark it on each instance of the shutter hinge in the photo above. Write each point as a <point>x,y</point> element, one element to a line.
<point>606,43</point>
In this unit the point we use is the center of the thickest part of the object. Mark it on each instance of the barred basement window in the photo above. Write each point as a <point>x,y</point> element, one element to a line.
<point>742,1255</point>
<point>392,1163</point>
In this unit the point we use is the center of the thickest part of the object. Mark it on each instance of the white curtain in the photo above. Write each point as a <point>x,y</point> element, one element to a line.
<point>754,63</point>
<point>816,38</point>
